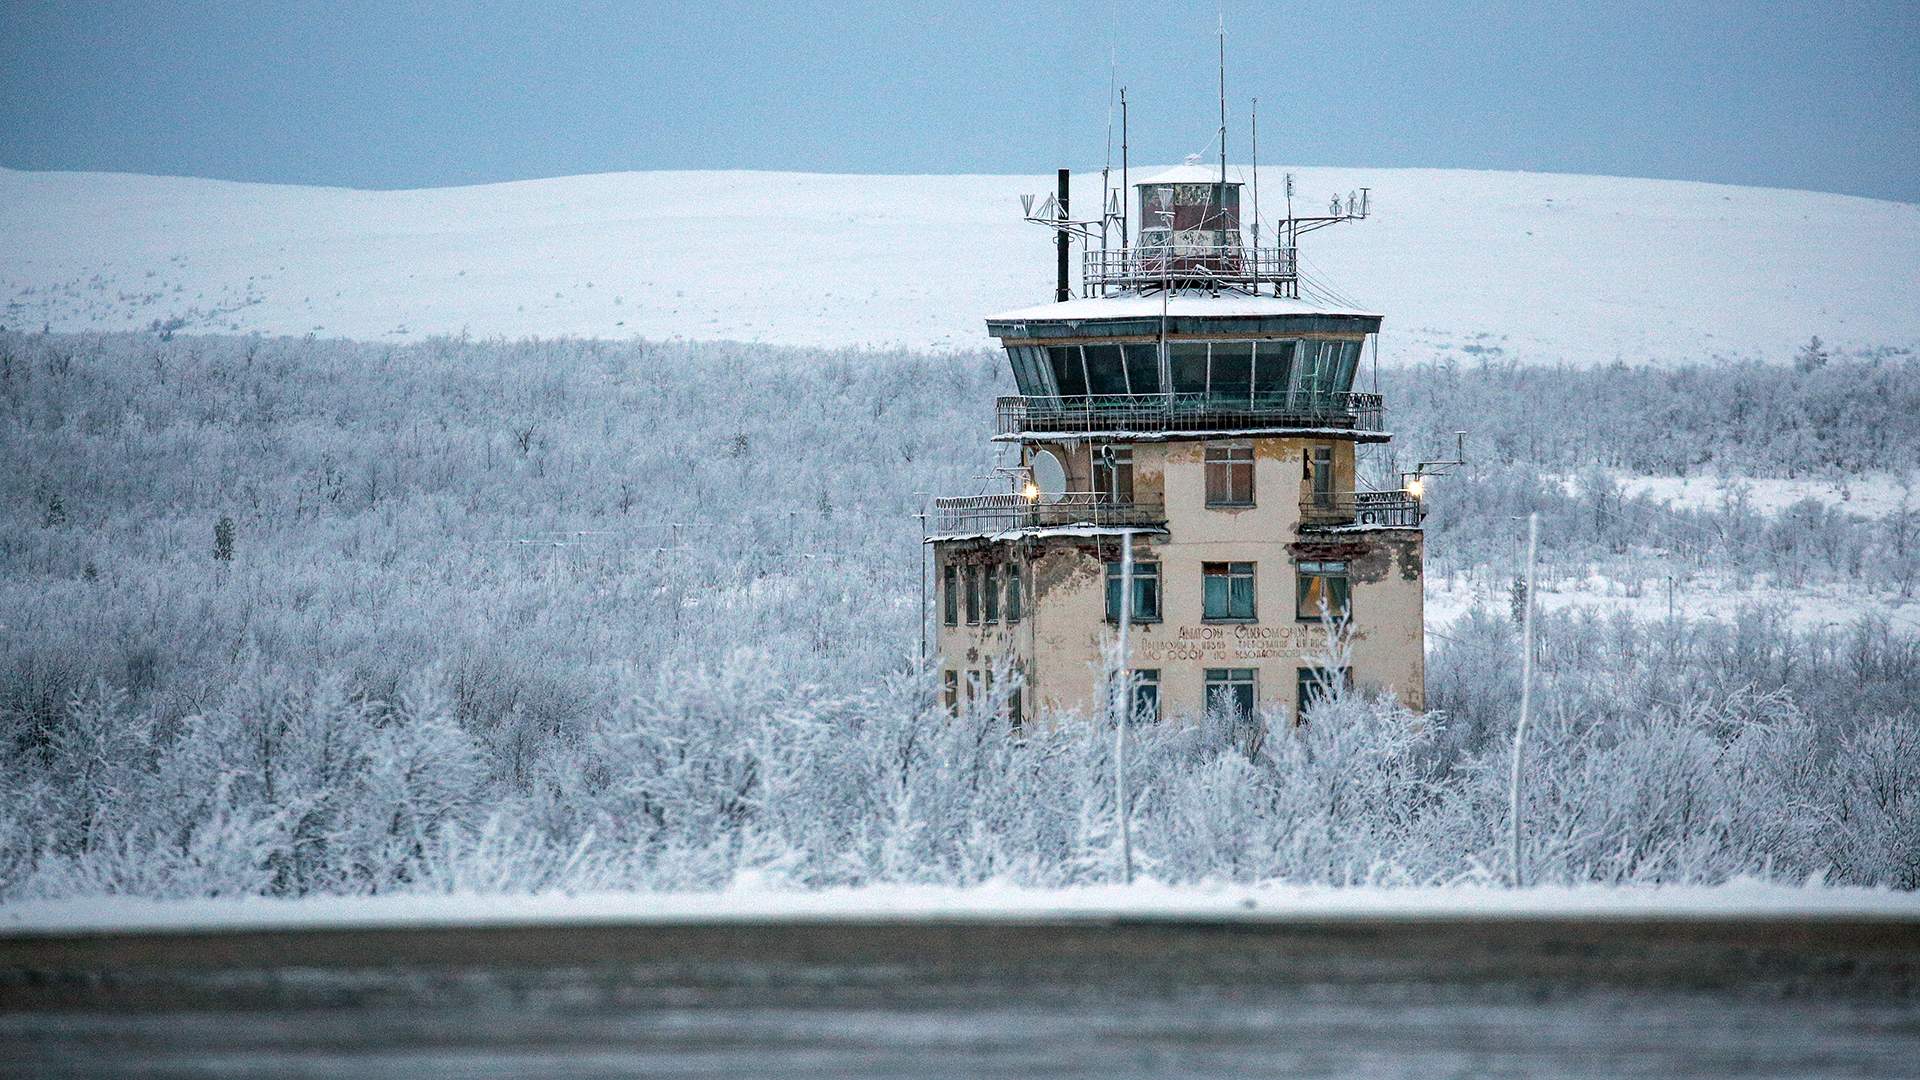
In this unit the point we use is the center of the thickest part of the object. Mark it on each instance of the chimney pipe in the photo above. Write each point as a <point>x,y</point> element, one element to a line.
<point>1061,241</point>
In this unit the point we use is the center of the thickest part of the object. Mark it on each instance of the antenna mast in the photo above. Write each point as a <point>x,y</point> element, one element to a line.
<point>1223,114</point>
<point>1126,197</point>
<point>1256,174</point>
<point>1106,170</point>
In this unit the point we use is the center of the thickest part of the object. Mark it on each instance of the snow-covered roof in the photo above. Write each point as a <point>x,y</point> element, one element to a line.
<point>1180,306</point>
<point>1192,173</point>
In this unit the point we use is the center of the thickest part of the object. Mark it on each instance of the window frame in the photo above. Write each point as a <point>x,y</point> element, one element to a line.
<point>950,595</point>
<point>952,690</point>
<point>971,572</point>
<point>1146,575</point>
<point>1311,570</point>
<point>990,594</point>
<point>1313,676</point>
<point>1231,573</point>
<point>1145,685</point>
<point>1103,476</point>
<point>1016,595</point>
<point>1226,459</point>
<point>1211,678</point>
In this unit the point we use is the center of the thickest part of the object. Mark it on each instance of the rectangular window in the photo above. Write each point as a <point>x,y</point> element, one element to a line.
<point>953,691</point>
<point>1271,366</point>
<point>1230,372</point>
<point>1226,592</point>
<point>973,595</point>
<point>1318,585</point>
<point>1320,473</point>
<point>1146,591</point>
<point>1231,691</point>
<point>1105,372</point>
<point>1229,475</point>
<point>950,594</point>
<point>991,593</point>
<point>1143,367</point>
<point>1146,696</point>
<point>1189,362</point>
<point>1017,709</point>
<point>1016,599</point>
<point>1113,473</point>
<point>1068,374</point>
<point>1317,684</point>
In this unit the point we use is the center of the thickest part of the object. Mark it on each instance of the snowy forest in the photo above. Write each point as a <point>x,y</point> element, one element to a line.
<point>291,616</point>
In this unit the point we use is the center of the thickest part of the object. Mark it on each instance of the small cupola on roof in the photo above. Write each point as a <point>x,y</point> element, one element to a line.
<point>1188,212</point>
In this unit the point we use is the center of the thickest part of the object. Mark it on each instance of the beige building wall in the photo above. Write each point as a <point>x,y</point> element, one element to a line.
<point>1064,631</point>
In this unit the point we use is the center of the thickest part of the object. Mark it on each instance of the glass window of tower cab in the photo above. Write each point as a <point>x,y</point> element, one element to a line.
<point>1189,405</point>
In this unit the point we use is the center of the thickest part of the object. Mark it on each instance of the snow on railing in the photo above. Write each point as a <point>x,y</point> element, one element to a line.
<point>1011,511</point>
<point>1372,509</point>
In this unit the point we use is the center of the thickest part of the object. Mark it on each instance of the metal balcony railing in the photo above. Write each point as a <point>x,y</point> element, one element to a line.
<point>1186,265</point>
<point>1087,413</point>
<point>1347,509</point>
<point>1008,512</point>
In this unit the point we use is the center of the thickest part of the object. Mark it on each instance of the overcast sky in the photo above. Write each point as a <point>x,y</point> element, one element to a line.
<point>1823,96</point>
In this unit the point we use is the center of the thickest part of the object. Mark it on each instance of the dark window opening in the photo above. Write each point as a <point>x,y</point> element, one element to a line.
<point>1318,684</point>
<point>950,594</point>
<point>1146,696</point>
<point>1231,692</point>
<point>1146,591</point>
<point>1068,375</point>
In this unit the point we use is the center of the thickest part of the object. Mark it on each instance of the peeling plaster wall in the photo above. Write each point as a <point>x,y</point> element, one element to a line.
<point>1062,639</point>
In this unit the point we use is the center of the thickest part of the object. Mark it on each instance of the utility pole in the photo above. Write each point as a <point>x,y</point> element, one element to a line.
<point>1526,703</point>
<point>1122,708</point>
<point>922,516</point>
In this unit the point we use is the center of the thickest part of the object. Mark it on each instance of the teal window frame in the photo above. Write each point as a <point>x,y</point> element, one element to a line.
<point>1146,591</point>
<point>1242,684</point>
<point>1227,592</point>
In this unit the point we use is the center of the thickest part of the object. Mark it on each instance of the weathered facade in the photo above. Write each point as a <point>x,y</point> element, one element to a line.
<point>1191,406</point>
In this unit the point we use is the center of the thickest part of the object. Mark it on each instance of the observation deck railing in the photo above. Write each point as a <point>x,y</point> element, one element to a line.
<point>1087,413</point>
<point>1348,509</point>
<point>1186,266</point>
<point>1011,511</point>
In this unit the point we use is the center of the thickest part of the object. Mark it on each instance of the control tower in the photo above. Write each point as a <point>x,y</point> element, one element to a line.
<point>1184,406</point>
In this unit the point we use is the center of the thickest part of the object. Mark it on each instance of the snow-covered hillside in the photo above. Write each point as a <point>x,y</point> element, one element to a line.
<point>1538,267</point>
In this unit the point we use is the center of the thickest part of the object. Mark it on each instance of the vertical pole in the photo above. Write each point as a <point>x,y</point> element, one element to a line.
<point>1526,705</point>
<point>1122,708</point>
<point>1061,242</point>
<point>1126,192</point>
<point>924,574</point>
<point>1256,188</point>
<point>1223,113</point>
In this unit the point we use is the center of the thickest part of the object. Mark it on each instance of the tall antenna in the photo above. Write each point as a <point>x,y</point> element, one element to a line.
<point>1106,170</point>
<point>1223,113</point>
<point>1126,197</point>
<point>1256,174</point>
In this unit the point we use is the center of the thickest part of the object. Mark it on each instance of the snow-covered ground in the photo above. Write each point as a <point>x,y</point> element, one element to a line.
<point>1695,596</point>
<point>1531,266</point>
<point>1868,495</point>
<point>751,902</point>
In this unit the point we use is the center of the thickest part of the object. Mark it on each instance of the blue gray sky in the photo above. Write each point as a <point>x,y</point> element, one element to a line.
<point>385,95</point>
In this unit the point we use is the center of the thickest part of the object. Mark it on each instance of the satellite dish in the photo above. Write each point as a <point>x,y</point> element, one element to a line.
<point>1049,476</point>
